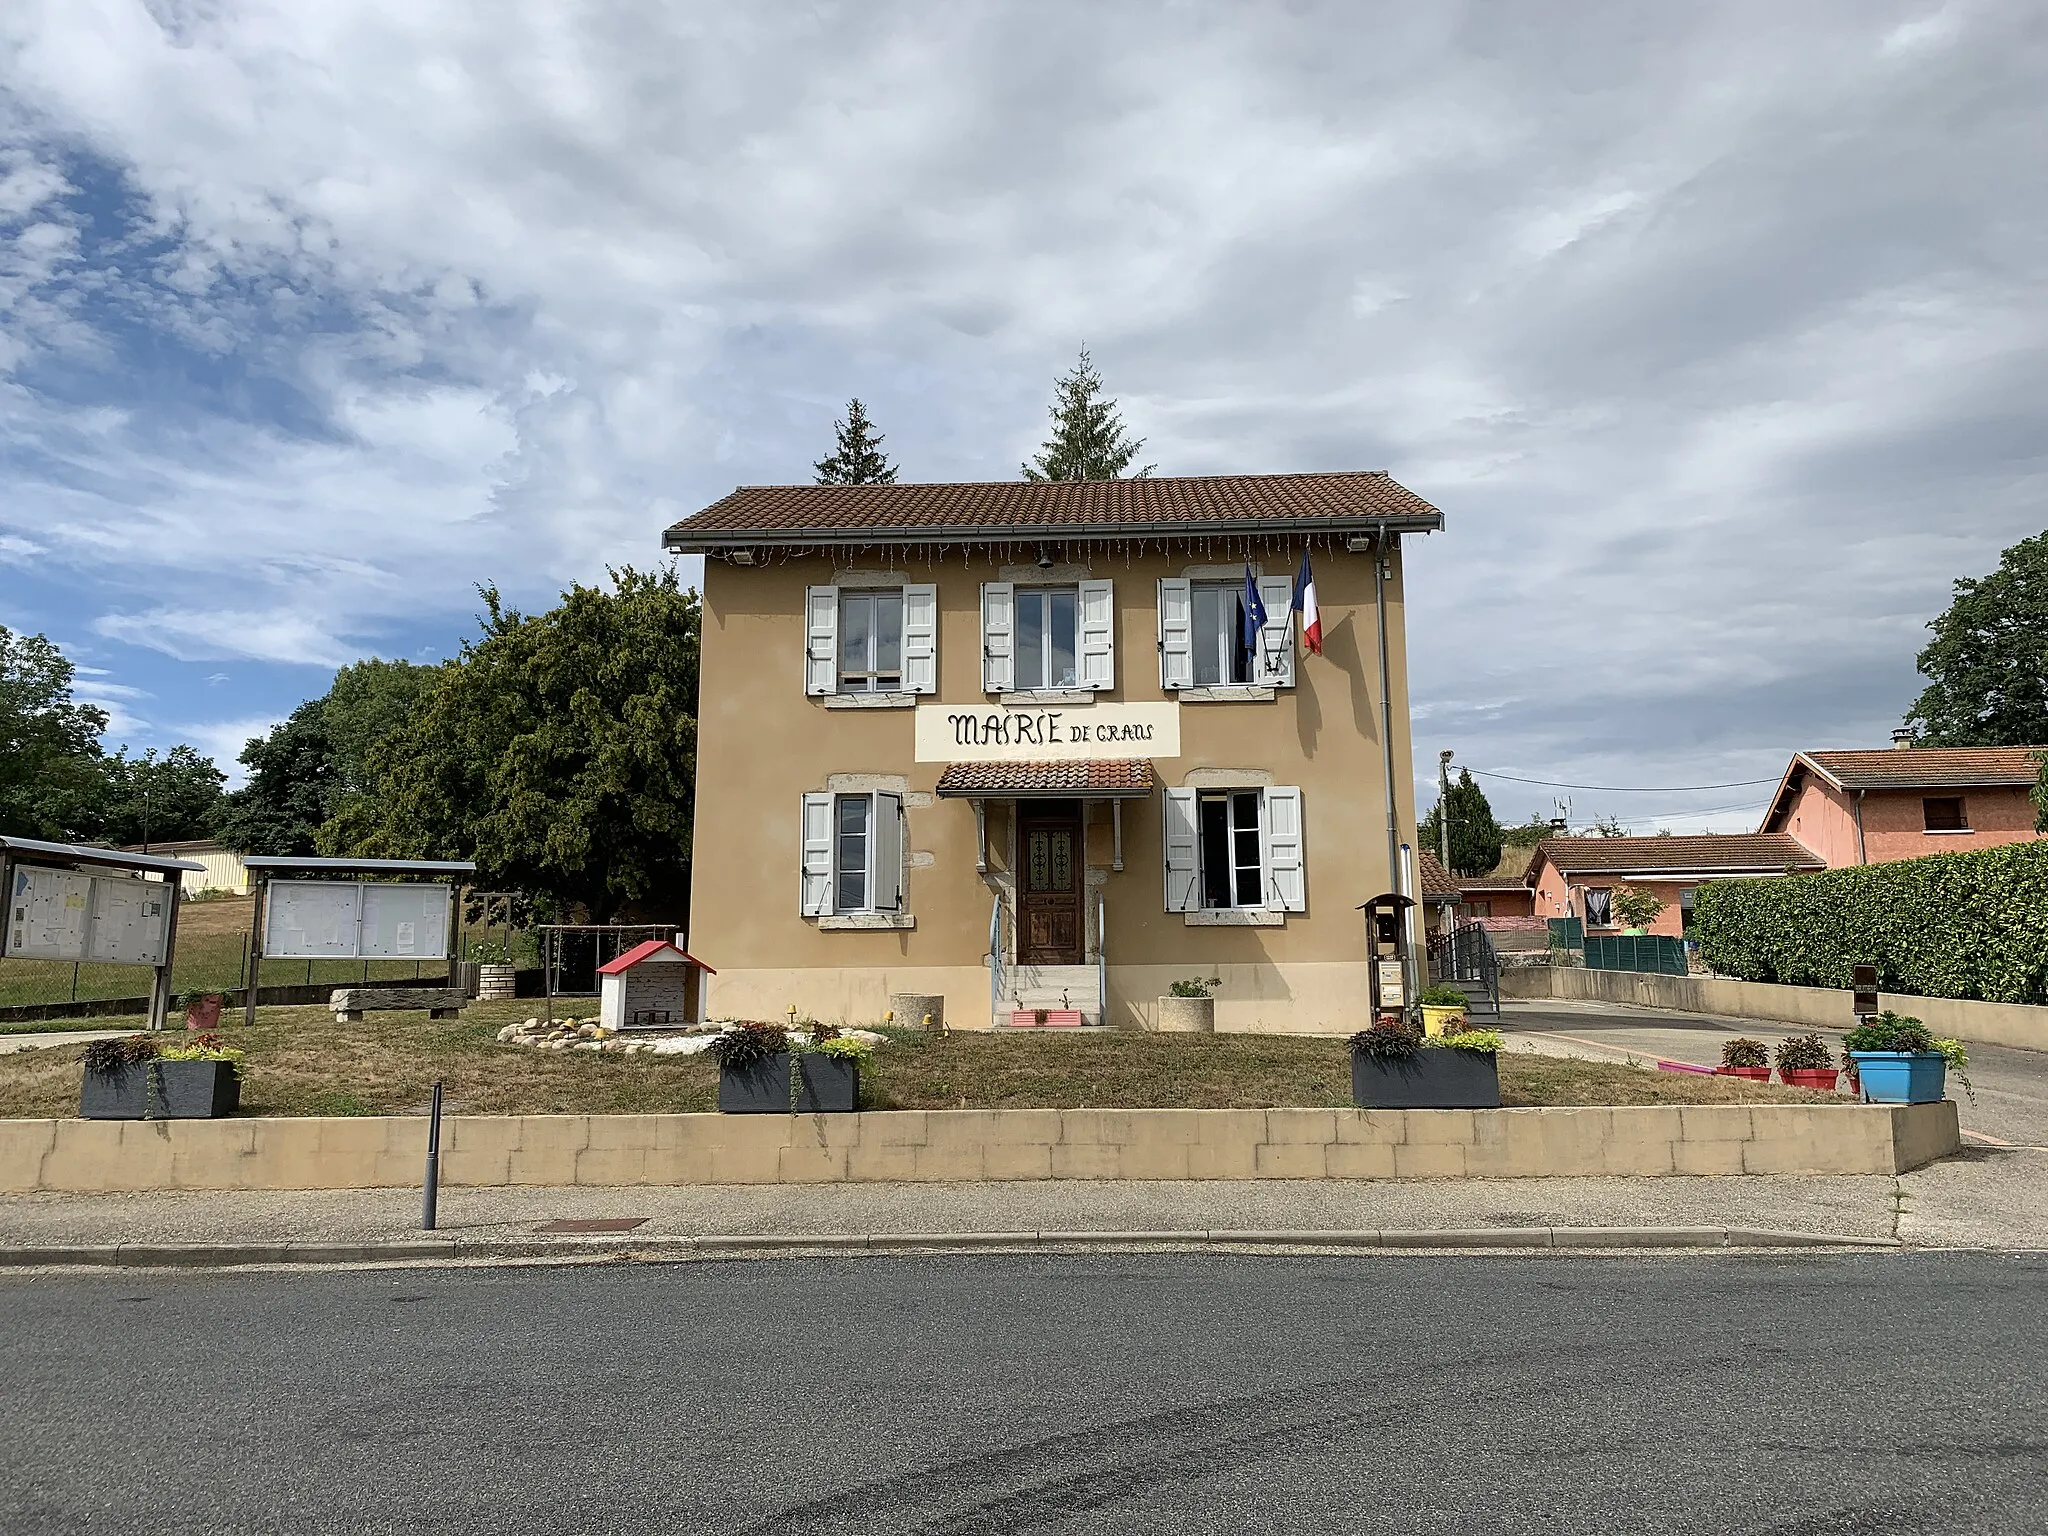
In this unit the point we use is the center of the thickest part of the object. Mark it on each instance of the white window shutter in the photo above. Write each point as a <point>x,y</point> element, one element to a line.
<point>1280,840</point>
<point>998,636</point>
<point>821,640</point>
<point>921,638</point>
<point>1275,661</point>
<point>1176,632</point>
<point>1183,866</point>
<point>816,900</point>
<point>1097,634</point>
<point>887,884</point>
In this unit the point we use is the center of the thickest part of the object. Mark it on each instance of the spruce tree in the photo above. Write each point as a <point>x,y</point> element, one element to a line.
<point>859,459</point>
<point>1088,440</point>
<point>1476,837</point>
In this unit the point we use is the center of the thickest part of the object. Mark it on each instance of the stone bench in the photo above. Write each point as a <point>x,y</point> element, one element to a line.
<point>351,1003</point>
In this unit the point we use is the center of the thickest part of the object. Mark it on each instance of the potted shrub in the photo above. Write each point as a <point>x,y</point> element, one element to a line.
<point>1189,1008</point>
<point>119,1078</point>
<point>202,1010</point>
<point>1443,1006</point>
<point>1898,1060</point>
<point>1637,909</point>
<point>1744,1057</point>
<point>1392,1067</point>
<point>1804,1061</point>
<point>199,1078</point>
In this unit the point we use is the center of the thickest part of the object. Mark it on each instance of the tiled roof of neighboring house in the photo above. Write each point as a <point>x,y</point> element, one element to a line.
<point>1116,778</point>
<point>1504,883</point>
<point>999,510</point>
<point>1708,852</point>
<point>1907,768</point>
<point>1438,884</point>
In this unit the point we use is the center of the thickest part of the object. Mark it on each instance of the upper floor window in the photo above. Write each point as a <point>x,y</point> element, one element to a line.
<point>1220,653</point>
<point>1046,637</point>
<point>1052,637</point>
<point>1944,813</point>
<point>869,640</point>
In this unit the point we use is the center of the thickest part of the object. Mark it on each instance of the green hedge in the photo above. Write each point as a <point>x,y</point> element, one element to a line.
<point>1966,925</point>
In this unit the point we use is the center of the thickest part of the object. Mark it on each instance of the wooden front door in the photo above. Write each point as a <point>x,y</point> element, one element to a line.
<point>1050,881</point>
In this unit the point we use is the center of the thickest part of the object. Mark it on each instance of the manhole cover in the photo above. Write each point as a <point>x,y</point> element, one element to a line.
<point>594,1224</point>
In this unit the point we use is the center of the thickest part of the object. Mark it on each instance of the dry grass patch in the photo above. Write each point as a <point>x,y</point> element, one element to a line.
<point>300,1062</point>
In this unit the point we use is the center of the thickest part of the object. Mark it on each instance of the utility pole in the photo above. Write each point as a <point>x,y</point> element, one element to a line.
<point>1443,806</point>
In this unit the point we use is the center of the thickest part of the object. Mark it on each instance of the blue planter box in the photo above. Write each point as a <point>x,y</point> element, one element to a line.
<point>1901,1077</point>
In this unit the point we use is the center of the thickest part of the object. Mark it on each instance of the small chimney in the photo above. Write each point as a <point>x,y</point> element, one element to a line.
<point>1557,826</point>
<point>1905,736</point>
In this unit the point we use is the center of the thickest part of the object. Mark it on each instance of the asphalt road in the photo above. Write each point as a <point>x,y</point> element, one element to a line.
<point>2010,1107</point>
<point>1819,1395</point>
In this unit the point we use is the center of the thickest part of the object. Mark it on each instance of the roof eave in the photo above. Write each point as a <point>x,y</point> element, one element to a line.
<point>678,539</point>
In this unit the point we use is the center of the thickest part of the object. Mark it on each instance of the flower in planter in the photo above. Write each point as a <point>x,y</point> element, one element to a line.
<point>1487,1041</point>
<point>1804,1053</point>
<point>1387,1042</point>
<point>205,1046</point>
<point>1195,986</point>
<point>1745,1052</point>
<point>748,1044</point>
<point>103,1057</point>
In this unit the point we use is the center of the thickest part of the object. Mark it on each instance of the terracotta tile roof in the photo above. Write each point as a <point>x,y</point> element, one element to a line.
<point>989,511</point>
<point>632,957</point>
<point>1503,883</point>
<point>1759,851</point>
<point>1929,767</point>
<point>1116,778</point>
<point>1437,882</point>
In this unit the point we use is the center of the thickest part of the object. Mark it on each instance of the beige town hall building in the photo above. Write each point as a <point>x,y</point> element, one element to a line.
<point>1016,745</point>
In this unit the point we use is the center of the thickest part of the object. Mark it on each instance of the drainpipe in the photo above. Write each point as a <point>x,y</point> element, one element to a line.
<point>1379,581</point>
<point>1861,857</point>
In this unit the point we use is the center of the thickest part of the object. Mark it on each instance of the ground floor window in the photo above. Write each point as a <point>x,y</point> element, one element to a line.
<point>1944,813</point>
<point>853,853</point>
<point>1233,873</point>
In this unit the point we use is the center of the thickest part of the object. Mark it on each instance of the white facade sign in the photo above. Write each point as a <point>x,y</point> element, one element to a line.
<point>47,912</point>
<point>1046,733</point>
<point>350,920</point>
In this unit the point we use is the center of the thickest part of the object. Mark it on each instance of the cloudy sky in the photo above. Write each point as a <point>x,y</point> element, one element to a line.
<point>1716,330</point>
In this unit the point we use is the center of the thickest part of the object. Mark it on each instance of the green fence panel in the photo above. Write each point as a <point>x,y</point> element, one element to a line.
<point>1568,931</point>
<point>1636,952</point>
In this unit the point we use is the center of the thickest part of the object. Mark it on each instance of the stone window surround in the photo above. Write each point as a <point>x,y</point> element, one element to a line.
<point>913,799</point>
<point>1231,917</point>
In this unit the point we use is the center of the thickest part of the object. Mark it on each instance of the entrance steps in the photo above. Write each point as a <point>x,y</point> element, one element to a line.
<point>1068,989</point>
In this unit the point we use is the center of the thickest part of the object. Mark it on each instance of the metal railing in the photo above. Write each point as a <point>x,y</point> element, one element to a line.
<point>1101,962</point>
<point>995,961</point>
<point>1464,954</point>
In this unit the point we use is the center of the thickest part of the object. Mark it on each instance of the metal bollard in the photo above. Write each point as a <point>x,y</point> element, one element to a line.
<point>427,1213</point>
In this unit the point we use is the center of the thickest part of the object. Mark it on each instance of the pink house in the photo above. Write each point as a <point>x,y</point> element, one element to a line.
<point>1580,876</point>
<point>1876,806</point>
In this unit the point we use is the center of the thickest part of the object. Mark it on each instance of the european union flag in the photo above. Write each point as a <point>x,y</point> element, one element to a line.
<point>1254,613</point>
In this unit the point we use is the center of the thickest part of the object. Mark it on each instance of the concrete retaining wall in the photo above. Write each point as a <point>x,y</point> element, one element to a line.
<point>89,1156</point>
<point>2014,1024</point>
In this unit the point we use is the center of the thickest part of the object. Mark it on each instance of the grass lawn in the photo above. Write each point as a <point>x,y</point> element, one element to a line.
<point>301,1062</point>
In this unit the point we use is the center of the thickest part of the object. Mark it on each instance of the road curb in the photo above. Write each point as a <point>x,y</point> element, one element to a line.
<point>739,1245</point>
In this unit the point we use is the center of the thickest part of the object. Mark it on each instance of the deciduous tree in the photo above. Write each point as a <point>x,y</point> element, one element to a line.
<point>1987,666</point>
<point>49,744</point>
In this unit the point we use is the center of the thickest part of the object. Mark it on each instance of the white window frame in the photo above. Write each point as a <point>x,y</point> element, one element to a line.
<point>867,679</point>
<point>1269,665</point>
<point>1282,876</point>
<point>1223,655</point>
<point>1094,636</point>
<point>918,648</point>
<point>881,871</point>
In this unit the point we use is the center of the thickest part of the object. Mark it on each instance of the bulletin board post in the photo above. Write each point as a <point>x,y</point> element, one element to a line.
<point>353,927</point>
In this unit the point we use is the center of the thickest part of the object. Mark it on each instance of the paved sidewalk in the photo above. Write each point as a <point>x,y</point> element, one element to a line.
<point>32,1040</point>
<point>1861,1207</point>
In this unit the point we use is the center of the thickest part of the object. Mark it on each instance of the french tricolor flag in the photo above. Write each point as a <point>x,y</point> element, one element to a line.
<point>1305,605</point>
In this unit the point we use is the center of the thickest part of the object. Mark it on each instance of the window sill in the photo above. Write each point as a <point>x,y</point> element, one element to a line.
<point>870,700</point>
<point>1946,831</point>
<point>848,922</point>
<point>1236,917</point>
<point>1051,696</point>
<point>1235,693</point>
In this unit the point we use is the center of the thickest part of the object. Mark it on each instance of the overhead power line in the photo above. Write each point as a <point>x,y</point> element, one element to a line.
<point>1626,789</point>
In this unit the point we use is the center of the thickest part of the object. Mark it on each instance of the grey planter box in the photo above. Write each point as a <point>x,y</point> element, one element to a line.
<point>197,1090</point>
<point>122,1094</point>
<point>1435,1078</point>
<point>162,1090</point>
<point>831,1085</point>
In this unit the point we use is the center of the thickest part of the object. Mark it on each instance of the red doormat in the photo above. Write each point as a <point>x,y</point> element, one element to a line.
<point>593,1224</point>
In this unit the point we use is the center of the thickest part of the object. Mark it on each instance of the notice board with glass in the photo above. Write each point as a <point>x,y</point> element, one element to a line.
<point>354,919</point>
